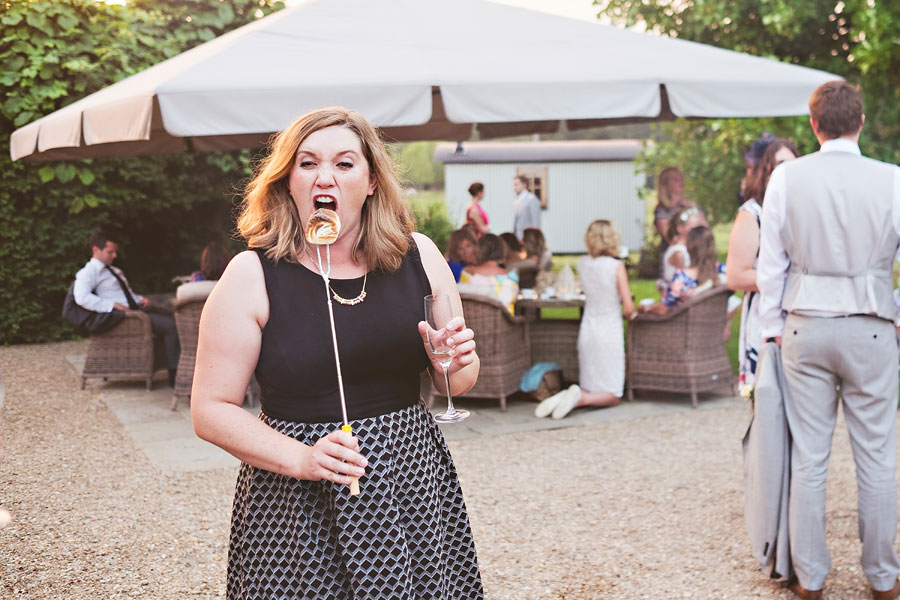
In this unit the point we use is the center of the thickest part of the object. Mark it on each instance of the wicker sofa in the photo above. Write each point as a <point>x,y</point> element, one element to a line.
<point>124,353</point>
<point>503,347</point>
<point>681,351</point>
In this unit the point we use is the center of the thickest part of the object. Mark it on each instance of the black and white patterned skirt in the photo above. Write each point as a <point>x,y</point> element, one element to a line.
<point>405,536</point>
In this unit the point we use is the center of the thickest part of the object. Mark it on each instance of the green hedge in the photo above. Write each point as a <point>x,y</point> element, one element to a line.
<point>162,209</point>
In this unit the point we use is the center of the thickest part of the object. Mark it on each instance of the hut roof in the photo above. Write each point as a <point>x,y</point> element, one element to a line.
<point>556,151</point>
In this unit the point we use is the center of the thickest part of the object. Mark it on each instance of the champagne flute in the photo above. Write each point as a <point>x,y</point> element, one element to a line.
<point>438,312</point>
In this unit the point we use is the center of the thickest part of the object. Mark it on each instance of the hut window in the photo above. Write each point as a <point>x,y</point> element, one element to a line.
<point>537,182</point>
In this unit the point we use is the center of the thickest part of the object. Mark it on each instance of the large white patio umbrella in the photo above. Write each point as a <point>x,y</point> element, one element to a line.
<point>419,69</point>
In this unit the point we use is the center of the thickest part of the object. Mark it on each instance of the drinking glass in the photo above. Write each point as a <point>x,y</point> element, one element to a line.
<point>438,312</point>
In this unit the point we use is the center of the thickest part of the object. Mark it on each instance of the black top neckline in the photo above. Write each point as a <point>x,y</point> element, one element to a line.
<point>319,275</point>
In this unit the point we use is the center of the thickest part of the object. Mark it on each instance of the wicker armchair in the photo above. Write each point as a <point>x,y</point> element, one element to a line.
<point>187,321</point>
<point>503,347</point>
<point>681,351</point>
<point>556,340</point>
<point>125,352</point>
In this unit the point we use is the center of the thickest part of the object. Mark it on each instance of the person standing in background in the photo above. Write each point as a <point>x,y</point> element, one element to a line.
<point>743,250</point>
<point>830,233</point>
<point>527,206</point>
<point>475,214</point>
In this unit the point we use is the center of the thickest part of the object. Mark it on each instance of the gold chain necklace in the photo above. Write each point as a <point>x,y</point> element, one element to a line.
<point>350,301</point>
<point>340,299</point>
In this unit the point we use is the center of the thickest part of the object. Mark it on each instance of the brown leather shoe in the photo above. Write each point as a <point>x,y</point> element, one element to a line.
<point>805,594</point>
<point>888,594</point>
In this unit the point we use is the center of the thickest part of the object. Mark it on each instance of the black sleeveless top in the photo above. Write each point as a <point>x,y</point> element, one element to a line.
<point>380,347</point>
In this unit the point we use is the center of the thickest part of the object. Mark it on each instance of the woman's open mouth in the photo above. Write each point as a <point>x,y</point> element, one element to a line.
<point>329,202</point>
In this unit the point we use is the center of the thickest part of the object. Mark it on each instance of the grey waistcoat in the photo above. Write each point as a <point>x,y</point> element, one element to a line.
<point>839,235</point>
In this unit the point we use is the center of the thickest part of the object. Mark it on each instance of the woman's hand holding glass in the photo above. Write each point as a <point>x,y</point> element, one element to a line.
<point>450,345</point>
<point>335,457</point>
<point>459,338</point>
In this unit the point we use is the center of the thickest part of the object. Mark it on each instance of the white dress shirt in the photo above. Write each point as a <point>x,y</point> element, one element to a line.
<point>97,289</point>
<point>773,259</point>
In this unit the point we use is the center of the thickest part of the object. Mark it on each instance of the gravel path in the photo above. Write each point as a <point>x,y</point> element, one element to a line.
<point>644,508</point>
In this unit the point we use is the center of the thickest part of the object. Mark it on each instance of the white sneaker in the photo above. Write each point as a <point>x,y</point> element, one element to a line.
<point>567,403</point>
<point>546,406</point>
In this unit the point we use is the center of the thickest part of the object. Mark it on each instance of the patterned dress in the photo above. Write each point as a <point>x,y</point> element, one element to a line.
<point>601,349</point>
<point>407,534</point>
<point>504,288</point>
<point>751,335</point>
<point>683,285</point>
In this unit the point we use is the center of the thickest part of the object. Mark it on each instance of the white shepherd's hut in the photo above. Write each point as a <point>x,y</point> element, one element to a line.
<point>576,181</point>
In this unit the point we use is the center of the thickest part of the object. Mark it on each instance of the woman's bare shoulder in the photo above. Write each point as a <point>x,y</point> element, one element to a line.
<point>243,285</point>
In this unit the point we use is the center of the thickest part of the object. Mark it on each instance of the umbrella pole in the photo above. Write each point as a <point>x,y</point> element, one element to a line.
<point>354,482</point>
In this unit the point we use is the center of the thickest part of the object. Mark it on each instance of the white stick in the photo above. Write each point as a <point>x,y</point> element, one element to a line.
<point>337,359</point>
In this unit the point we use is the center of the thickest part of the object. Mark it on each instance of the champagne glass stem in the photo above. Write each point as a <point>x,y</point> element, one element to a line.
<point>450,408</point>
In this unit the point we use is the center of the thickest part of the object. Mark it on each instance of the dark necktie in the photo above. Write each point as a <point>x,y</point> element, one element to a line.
<point>131,302</point>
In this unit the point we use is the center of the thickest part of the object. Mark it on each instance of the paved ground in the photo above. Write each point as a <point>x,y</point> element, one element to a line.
<point>167,437</point>
<point>112,497</point>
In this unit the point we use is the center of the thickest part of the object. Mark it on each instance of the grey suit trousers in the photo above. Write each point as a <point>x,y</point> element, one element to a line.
<point>859,355</point>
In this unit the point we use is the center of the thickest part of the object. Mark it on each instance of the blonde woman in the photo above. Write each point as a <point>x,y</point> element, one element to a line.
<point>295,529</point>
<point>601,350</point>
<point>670,199</point>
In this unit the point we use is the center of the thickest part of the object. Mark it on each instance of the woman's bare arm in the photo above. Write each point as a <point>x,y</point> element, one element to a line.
<point>465,365</point>
<point>743,246</point>
<point>625,291</point>
<point>662,228</point>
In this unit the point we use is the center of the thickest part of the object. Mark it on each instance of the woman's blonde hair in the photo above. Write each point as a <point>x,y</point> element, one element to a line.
<point>602,239</point>
<point>269,217</point>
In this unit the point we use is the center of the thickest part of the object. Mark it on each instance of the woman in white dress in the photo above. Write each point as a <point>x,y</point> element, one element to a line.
<point>601,345</point>
<point>743,249</point>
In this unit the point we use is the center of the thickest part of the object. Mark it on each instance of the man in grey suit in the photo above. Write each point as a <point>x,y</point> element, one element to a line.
<point>830,234</point>
<point>528,207</point>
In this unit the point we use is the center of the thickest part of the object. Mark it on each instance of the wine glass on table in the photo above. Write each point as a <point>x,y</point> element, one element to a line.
<point>438,312</point>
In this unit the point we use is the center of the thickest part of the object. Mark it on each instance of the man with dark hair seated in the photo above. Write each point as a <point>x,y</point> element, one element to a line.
<point>101,287</point>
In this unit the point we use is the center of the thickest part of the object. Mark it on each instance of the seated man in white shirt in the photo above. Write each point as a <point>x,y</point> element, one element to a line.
<point>101,287</point>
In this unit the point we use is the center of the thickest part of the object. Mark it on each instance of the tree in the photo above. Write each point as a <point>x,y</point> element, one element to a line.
<point>417,165</point>
<point>856,39</point>
<point>163,209</point>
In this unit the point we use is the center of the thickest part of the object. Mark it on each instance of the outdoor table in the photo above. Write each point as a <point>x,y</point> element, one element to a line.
<point>553,340</point>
